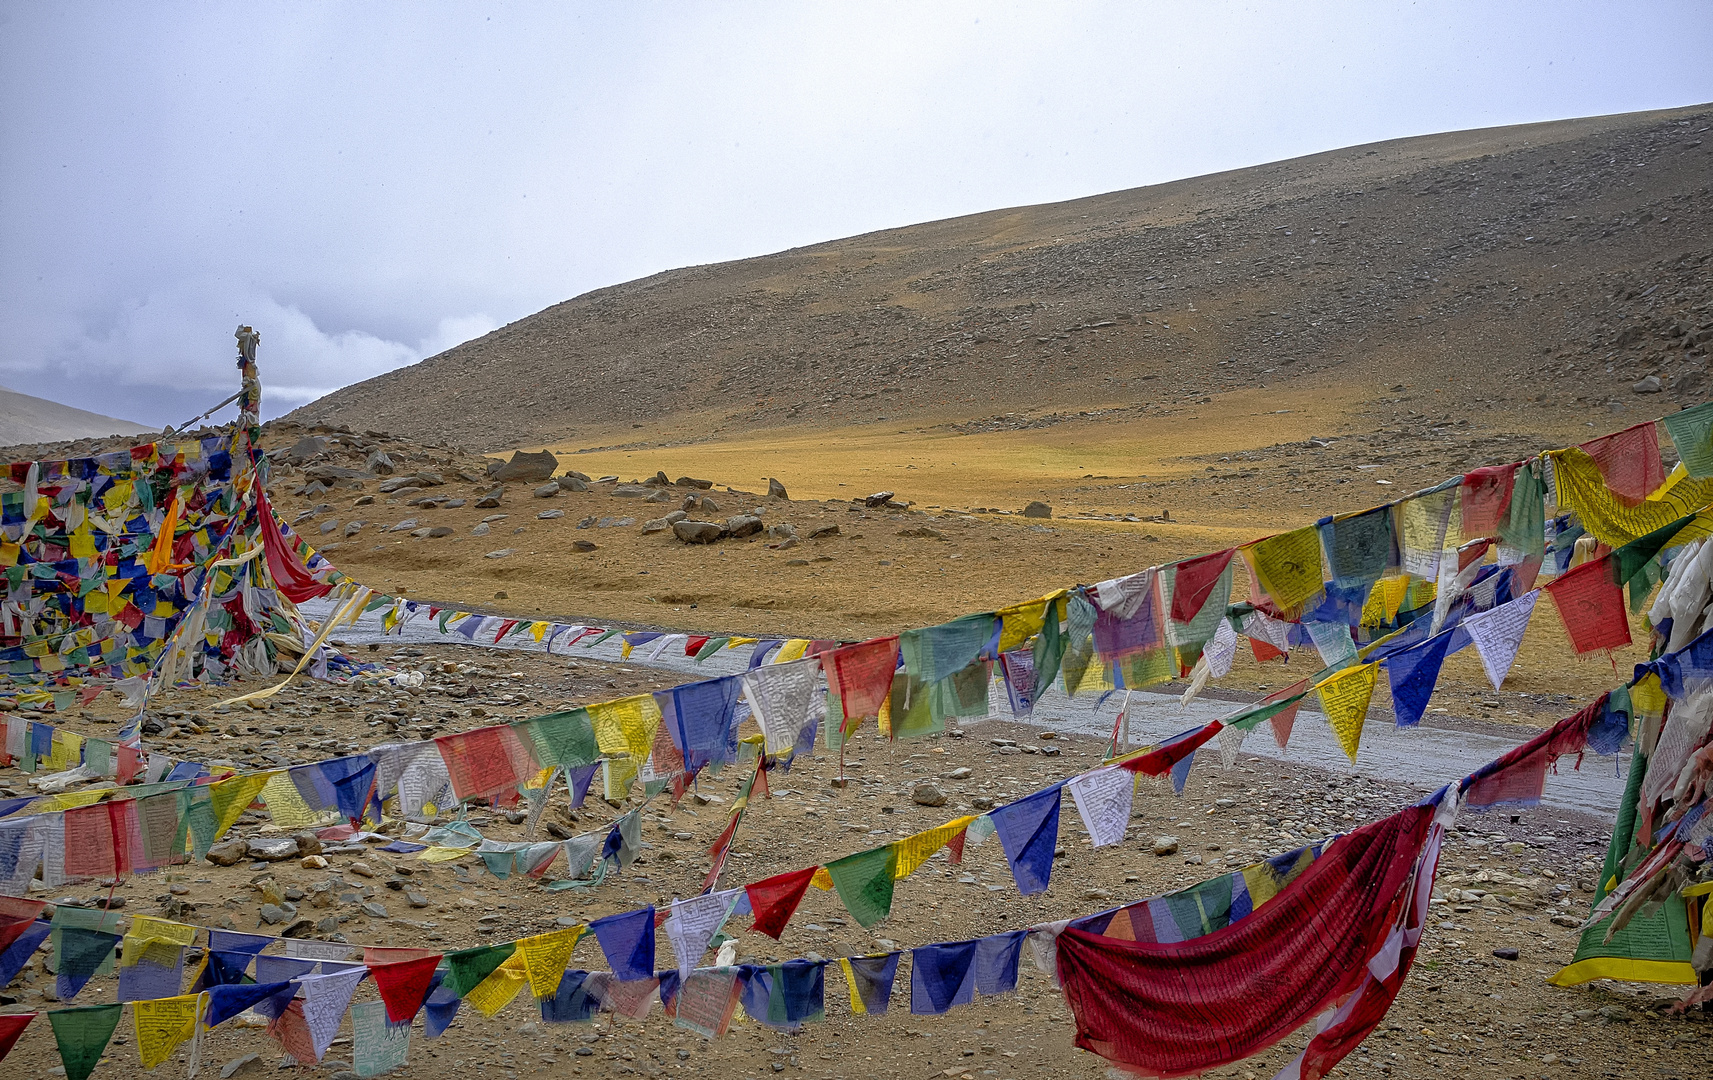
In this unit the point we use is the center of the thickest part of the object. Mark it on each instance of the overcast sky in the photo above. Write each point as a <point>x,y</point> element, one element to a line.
<point>371,183</point>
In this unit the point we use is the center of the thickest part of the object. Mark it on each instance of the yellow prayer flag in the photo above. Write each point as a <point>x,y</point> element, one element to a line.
<point>1344,698</point>
<point>81,543</point>
<point>156,940</point>
<point>913,851</point>
<point>1647,697</point>
<point>1288,565</point>
<point>1020,622</point>
<point>497,990</point>
<point>286,807</point>
<point>857,1005</point>
<point>69,800</point>
<point>163,1023</point>
<point>436,854</point>
<point>822,880</point>
<point>626,725</point>
<point>545,957</point>
<point>1582,488</point>
<point>231,796</point>
<point>793,649</point>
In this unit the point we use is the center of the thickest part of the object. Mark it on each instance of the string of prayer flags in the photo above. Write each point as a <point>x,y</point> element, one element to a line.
<point>1029,831</point>
<point>774,900</point>
<point>627,940</point>
<point>869,980</point>
<point>404,985</point>
<point>12,1026</point>
<point>1628,461</point>
<point>82,1034</point>
<point>1582,490</point>
<point>378,1044</point>
<point>1591,605</point>
<point>864,882</point>
<point>860,676</point>
<point>1498,634</point>
<point>1104,798</point>
<point>1691,431</point>
<point>1413,673</point>
<point>1171,754</point>
<point>162,1024</point>
<point>1287,565</point>
<point>1344,699</point>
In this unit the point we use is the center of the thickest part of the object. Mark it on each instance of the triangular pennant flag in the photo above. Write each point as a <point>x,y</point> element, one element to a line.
<point>499,989</point>
<point>11,1027</point>
<point>627,940</point>
<point>1344,698</point>
<point>1413,674</point>
<point>19,952</point>
<point>775,899</point>
<point>163,1023</point>
<point>404,985</point>
<point>1029,830</point>
<point>227,1001</point>
<point>81,954</point>
<point>1691,431</point>
<point>81,1035</point>
<point>1498,634</point>
<point>325,998</point>
<point>870,981</point>
<point>1104,797</point>
<point>438,1011</point>
<point>941,976</point>
<point>466,968</point>
<point>918,848</point>
<point>545,957</point>
<point>864,883</point>
<point>1283,721</point>
<point>693,923</point>
<point>1591,604</point>
<point>16,915</point>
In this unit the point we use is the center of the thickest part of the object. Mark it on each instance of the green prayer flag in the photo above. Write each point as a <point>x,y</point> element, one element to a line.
<point>864,883</point>
<point>1691,431</point>
<point>467,967</point>
<point>1049,650</point>
<point>562,738</point>
<point>1078,649</point>
<point>376,1046</point>
<point>66,917</point>
<point>82,1035</point>
<point>936,652</point>
<point>1633,558</point>
<point>709,648</point>
<point>1524,524</point>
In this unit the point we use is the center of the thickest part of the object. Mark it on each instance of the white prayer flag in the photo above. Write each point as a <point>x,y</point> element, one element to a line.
<point>1103,797</point>
<point>1498,634</point>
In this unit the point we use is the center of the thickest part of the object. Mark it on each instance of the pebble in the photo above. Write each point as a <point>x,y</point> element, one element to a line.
<point>361,869</point>
<point>1165,845</point>
<point>374,910</point>
<point>314,862</point>
<point>927,795</point>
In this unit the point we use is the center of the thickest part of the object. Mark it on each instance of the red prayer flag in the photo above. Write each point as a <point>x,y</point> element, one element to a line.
<point>693,645</point>
<point>10,1028</point>
<point>504,629</point>
<point>485,761</point>
<point>1591,603</point>
<point>1159,762</point>
<point>1518,776</point>
<point>1194,582</point>
<point>862,677</point>
<point>290,576</point>
<point>1629,461</point>
<point>16,914</point>
<point>130,764</point>
<point>403,985</point>
<point>1487,498</point>
<point>98,839</point>
<point>955,848</point>
<point>775,899</point>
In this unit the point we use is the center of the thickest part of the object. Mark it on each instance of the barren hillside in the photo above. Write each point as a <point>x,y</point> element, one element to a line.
<point>1549,265</point>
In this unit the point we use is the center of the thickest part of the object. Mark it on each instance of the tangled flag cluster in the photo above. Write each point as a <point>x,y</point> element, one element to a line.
<point>1402,585</point>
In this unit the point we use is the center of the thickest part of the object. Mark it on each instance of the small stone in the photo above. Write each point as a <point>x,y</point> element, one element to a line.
<point>776,490</point>
<point>1648,385</point>
<point>1037,509</point>
<point>1165,845</point>
<point>481,529</point>
<point>696,532</point>
<point>546,491</point>
<point>374,910</point>
<point>781,531</point>
<point>927,795</point>
<point>1096,894</point>
<point>582,545</point>
<point>439,531</point>
<point>823,532</point>
<point>416,899</point>
<point>921,532</point>
<point>1566,920</point>
<point>273,914</point>
<point>692,482</point>
<point>1506,954</point>
<point>530,1027</point>
<point>573,483</point>
<point>1616,1014</point>
<point>500,554</point>
<point>307,843</point>
<point>314,862</point>
<point>491,499</point>
<point>548,515</point>
<point>879,498</point>
<point>960,774</point>
<point>273,850</point>
<point>655,525</point>
<point>361,869</point>
<point>229,853</point>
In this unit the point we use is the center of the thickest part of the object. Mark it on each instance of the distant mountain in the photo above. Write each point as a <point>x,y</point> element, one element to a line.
<point>25,418</point>
<point>1550,267</point>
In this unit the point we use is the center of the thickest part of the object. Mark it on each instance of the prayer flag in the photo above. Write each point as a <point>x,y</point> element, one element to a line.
<point>1344,698</point>
<point>404,985</point>
<point>1288,565</point>
<point>941,976</point>
<point>1498,634</point>
<point>163,1023</point>
<point>378,1043</point>
<point>864,882</point>
<point>1629,461</point>
<point>1104,797</point>
<point>1487,499</point>
<point>869,980</point>
<point>780,695</point>
<point>1591,605</point>
<point>228,1000</point>
<point>912,851</point>
<point>861,677</point>
<point>774,899</point>
<point>1029,830</point>
<point>1413,674</point>
<point>82,1034</point>
<point>11,1027</point>
<point>1691,431</point>
<point>785,996</point>
<point>627,939</point>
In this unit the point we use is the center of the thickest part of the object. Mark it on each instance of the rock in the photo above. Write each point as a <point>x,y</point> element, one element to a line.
<point>419,534</point>
<point>659,496</point>
<point>439,531</point>
<point>781,531</point>
<point>354,528</point>
<point>743,525</point>
<point>573,483</point>
<point>1165,845</point>
<point>304,449</point>
<point>314,862</point>
<point>925,794</point>
<point>983,802</point>
<point>631,491</point>
<point>236,1065</point>
<point>582,545</point>
<point>546,491</point>
<point>1037,509</point>
<point>481,529</point>
<point>1648,385</point>
<point>707,505</point>
<point>1615,1014</point>
<point>692,482</point>
<point>329,525</point>
<point>549,515</point>
<point>273,914</point>
<point>390,486</point>
<point>1566,920</point>
<point>655,525</point>
<point>776,490</point>
<point>229,853</point>
<point>823,531</point>
<point>491,499</point>
<point>374,909</point>
<point>430,478</point>
<point>471,477</point>
<point>307,843</point>
<point>960,774</point>
<point>500,554</point>
<point>275,849</point>
<point>675,517</point>
<point>379,464</point>
<point>879,498</point>
<point>416,899</point>
<point>1506,954</point>
<point>527,467</point>
<point>696,532</point>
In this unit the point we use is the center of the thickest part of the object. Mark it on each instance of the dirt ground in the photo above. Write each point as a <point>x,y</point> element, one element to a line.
<point>1462,1011</point>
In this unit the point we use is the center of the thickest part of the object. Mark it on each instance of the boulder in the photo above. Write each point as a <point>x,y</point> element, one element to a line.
<point>696,532</point>
<point>274,849</point>
<point>1165,845</point>
<point>307,843</point>
<point>742,525</point>
<point>304,449</point>
<point>229,853</point>
<point>438,531</point>
<point>675,517</point>
<point>430,478</point>
<point>526,467</point>
<point>379,464</point>
<point>1649,385</point>
<point>1037,509</point>
<point>655,525</point>
<point>692,482</point>
<point>659,497</point>
<point>573,474</point>
<point>781,531</point>
<point>658,480</point>
<point>389,486</point>
<point>776,490</point>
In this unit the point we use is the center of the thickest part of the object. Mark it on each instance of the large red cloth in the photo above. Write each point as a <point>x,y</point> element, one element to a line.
<point>291,577</point>
<point>1182,1008</point>
<point>1591,603</point>
<point>403,985</point>
<point>775,899</point>
<point>1193,583</point>
<point>861,675</point>
<point>1629,461</point>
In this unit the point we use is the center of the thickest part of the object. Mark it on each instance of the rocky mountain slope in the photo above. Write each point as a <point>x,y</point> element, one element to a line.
<point>25,418</point>
<point>1547,267</point>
